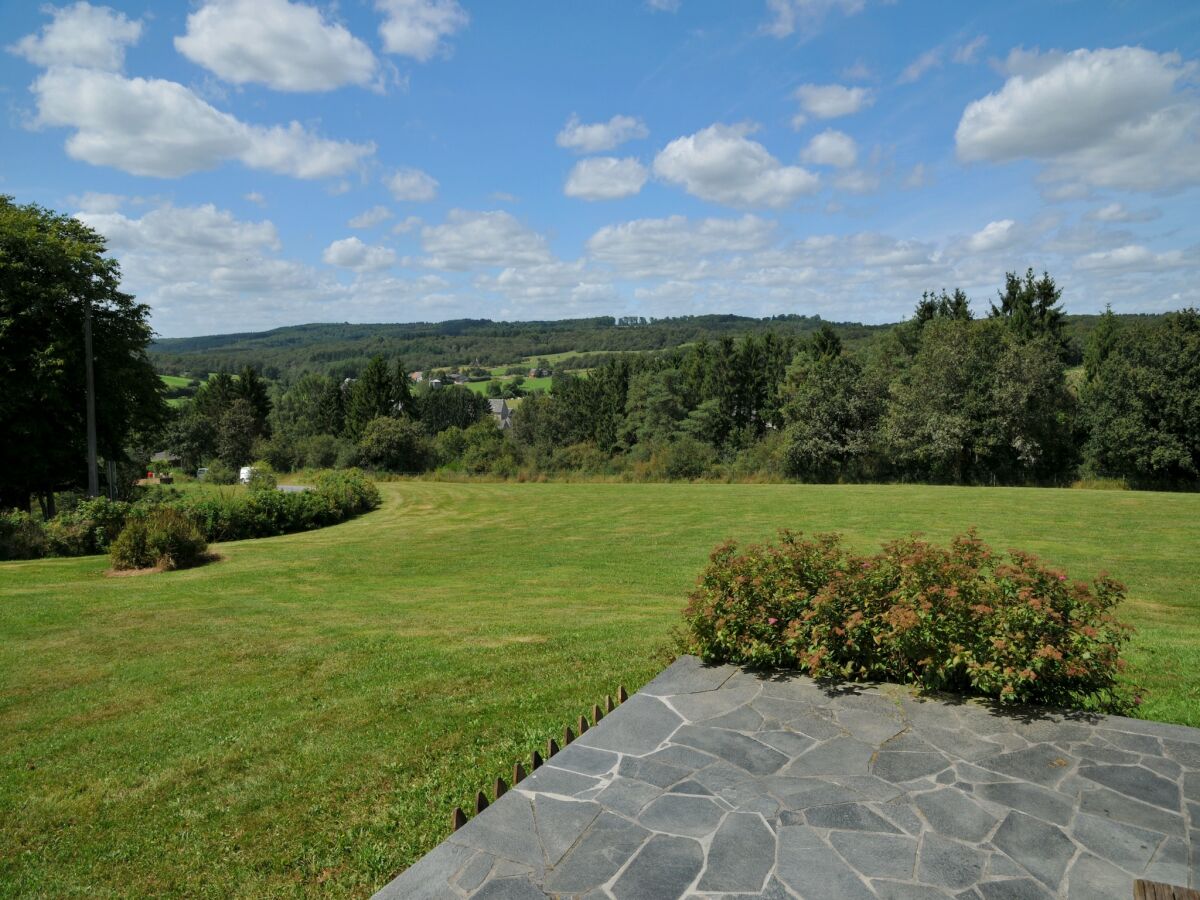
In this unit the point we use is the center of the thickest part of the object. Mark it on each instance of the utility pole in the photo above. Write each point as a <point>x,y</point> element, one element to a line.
<point>93,475</point>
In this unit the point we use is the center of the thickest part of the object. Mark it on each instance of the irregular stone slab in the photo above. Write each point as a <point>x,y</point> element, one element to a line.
<point>744,752</point>
<point>1042,764</point>
<point>1136,782</point>
<point>664,868</point>
<point>841,755</point>
<point>1040,802</point>
<point>947,863</point>
<point>585,760</point>
<point>550,779</point>
<point>1138,743</point>
<point>655,773</point>
<point>1105,756</point>
<point>691,786</point>
<point>954,814</point>
<point>510,889</point>
<point>1170,863</point>
<point>1091,878</point>
<point>877,855</point>
<point>601,852</point>
<point>738,788</point>
<point>687,675</point>
<point>744,718</point>
<point>474,872</point>
<point>627,796</point>
<point>504,829</point>
<point>810,869</point>
<point>786,742</point>
<point>1111,805</point>
<point>901,812</point>
<point>958,743</point>
<point>741,855</point>
<point>429,877</point>
<point>1127,846</point>
<point>712,704</point>
<point>848,817</point>
<point>677,814</point>
<point>636,727</point>
<point>898,890</point>
<point>560,823</point>
<point>1167,768</point>
<point>801,793</point>
<point>1187,754</point>
<point>907,766</point>
<point>868,726</point>
<point>1014,889</point>
<point>681,757</point>
<point>1043,850</point>
<point>869,786</point>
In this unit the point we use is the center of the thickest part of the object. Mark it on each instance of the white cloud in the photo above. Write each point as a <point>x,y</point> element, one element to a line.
<point>831,148</point>
<point>788,15</point>
<point>663,5</point>
<point>411,223</point>
<point>160,128</point>
<point>351,253</point>
<point>416,27</point>
<point>97,202</point>
<point>470,239</point>
<point>917,177</point>
<point>286,46</point>
<point>605,178</point>
<point>994,236</point>
<point>967,53</point>
<point>412,185</point>
<point>256,198</point>
<point>1117,212</point>
<point>184,231</point>
<point>1134,256</point>
<point>1119,118</point>
<point>600,136</point>
<point>830,101</point>
<point>930,59</point>
<point>860,71</point>
<point>376,215</point>
<point>721,164</point>
<point>93,37</point>
<point>857,181</point>
<point>671,246</point>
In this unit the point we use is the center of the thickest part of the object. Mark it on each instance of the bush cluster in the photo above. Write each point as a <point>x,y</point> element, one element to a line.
<point>94,526</point>
<point>961,618</point>
<point>164,537</point>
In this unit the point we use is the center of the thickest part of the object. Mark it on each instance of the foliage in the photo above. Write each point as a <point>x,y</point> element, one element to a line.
<point>90,527</point>
<point>53,275</point>
<point>220,473</point>
<point>395,445</point>
<point>961,618</point>
<point>372,396</point>
<point>166,538</point>
<point>451,407</point>
<point>1142,406</point>
<point>21,536</point>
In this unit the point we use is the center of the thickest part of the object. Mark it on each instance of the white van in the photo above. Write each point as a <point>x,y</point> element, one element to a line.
<point>245,473</point>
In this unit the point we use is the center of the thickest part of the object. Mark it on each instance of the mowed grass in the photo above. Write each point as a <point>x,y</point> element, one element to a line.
<point>530,384</point>
<point>301,717</point>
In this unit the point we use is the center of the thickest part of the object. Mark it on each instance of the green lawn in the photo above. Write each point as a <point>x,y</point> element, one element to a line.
<point>300,717</point>
<point>531,384</point>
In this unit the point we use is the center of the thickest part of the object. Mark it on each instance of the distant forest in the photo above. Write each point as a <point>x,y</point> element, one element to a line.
<point>343,350</point>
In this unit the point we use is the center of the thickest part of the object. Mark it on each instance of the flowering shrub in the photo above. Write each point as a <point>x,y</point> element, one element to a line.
<point>164,537</point>
<point>961,618</point>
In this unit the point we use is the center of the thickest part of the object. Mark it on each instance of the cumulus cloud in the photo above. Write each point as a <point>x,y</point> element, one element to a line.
<point>256,198</point>
<point>93,37</point>
<point>376,215</point>
<point>412,185</point>
<point>671,246</point>
<point>857,181</point>
<point>830,101</point>
<point>605,178</point>
<point>831,148</point>
<point>1118,212</point>
<point>416,28</point>
<point>470,239</point>
<point>789,15</point>
<point>721,164</point>
<point>351,253</point>
<point>994,236</point>
<point>1133,256</point>
<point>967,53</point>
<point>286,46</point>
<point>600,136</point>
<point>1115,118</point>
<point>930,59</point>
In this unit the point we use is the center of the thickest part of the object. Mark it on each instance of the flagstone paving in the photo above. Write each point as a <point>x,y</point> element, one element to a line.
<point>712,782</point>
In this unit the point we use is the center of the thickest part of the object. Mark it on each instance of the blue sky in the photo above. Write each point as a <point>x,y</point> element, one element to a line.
<point>256,163</point>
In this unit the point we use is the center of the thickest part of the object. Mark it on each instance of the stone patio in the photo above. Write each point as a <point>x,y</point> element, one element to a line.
<point>712,782</point>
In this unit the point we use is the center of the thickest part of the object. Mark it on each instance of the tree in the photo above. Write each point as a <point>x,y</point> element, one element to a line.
<point>236,431</point>
<point>372,395</point>
<point>1029,306</point>
<point>1142,409</point>
<point>251,388</point>
<point>1100,344</point>
<point>397,445</point>
<point>825,344</point>
<point>442,408</point>
<point>833,413</point>
<point>53,271</point>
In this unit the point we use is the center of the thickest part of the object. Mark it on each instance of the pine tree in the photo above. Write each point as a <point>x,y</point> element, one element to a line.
<point>371,396</point>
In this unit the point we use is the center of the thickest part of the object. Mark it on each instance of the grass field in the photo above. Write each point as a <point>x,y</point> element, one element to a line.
<point>300,717</point>
<point>531,384</point>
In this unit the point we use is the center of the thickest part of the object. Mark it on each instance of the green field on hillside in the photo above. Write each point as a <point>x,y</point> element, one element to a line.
<point>301,716</point>
<point>531,384</point>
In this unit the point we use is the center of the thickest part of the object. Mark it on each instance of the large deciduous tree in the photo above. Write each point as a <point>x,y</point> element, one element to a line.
<point>54,272</point>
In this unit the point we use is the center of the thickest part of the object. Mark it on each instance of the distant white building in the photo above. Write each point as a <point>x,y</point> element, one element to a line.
<point>501,413</point>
